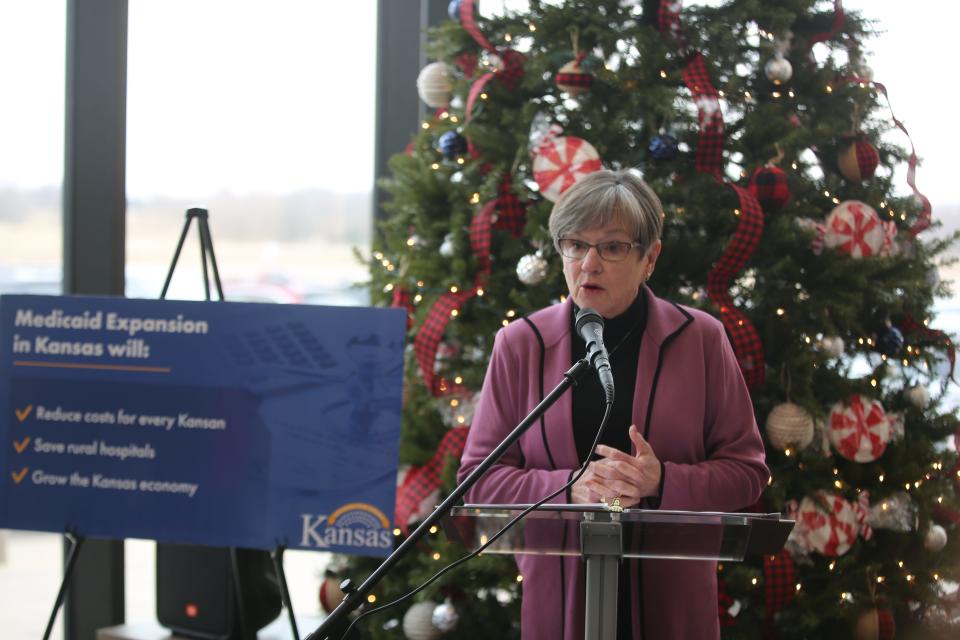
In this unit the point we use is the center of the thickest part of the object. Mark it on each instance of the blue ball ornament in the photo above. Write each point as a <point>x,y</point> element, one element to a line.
<point>889,341</point>
<point>452,145</point>
<point>454,10</point>
<point>663,147</point>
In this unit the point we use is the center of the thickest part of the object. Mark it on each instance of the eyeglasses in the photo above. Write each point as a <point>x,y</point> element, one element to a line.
<point>611,251</point>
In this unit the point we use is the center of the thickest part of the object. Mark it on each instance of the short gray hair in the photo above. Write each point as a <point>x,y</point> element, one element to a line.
<point>605,196</point>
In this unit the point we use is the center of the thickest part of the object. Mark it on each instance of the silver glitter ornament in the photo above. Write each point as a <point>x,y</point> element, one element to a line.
<point>532,269</point>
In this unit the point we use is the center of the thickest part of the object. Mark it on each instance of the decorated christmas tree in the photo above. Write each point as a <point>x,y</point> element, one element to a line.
<point>759,125</point>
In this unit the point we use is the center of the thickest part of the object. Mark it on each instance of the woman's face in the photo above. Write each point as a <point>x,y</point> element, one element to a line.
<point>607,287</point>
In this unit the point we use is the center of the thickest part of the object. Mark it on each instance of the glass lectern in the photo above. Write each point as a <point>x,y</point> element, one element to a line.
<point>604,536</point>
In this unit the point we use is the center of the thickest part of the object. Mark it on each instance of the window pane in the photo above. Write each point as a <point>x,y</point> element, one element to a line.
<point>32,54</point>
<point>262,112</point>
<point>31,154</point>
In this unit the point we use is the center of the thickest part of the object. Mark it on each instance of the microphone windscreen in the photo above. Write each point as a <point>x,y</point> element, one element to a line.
<point>585,316</point>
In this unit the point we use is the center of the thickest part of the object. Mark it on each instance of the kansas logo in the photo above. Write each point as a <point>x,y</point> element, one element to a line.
<point>356,524</point>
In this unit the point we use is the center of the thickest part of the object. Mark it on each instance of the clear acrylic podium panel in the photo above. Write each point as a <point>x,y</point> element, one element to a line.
<point>555,530</point>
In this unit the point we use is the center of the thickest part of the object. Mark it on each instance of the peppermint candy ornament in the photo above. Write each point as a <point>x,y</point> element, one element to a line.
<point>859,429</point>
<point>854,228</point>
<point>827,524</point>
<point>560,162</point>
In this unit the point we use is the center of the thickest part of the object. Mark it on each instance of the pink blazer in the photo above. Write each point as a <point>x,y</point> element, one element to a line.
<point>691,403</point>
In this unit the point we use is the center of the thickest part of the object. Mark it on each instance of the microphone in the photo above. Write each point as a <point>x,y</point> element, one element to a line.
<point>589,326</point>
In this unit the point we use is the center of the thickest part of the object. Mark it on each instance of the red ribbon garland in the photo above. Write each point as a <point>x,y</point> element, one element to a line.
<point>511,216</point>
<point>420,482</point>
<point>838,19</point>
<point>743,335</point>
<point>926,210</point>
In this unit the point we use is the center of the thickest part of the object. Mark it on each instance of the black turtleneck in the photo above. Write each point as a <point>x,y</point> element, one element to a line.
<point>622,336</point>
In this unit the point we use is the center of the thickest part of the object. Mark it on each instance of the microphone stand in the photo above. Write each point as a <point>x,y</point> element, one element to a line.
<point>355,597</point>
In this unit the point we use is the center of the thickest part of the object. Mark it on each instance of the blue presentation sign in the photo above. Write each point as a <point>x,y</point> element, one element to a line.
<point>228,424</point>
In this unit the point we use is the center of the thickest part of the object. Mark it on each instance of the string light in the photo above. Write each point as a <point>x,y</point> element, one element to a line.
<point>454,313</point>
<point>425,125</point>
<point>397,531</point>
<point>475,198</point>
<point>532,27</point>
<point>900,563</point>
<point>460,160</point>
<point>435,166</point>
<point>799,586</point>
<point>873,382</point>
<point>458,380</point>
<point>880,579</point>
<point>511,313</point>
<point>436,555</point>
<point>454,119</point>
<point>420,283</point>
<point>833,565</point>
<point>519,578</point>
<point>781,311</point>
<point>388,288</point>
<point>480,292</point>
<point>753,581</point>
<point>417,298</point>
<point>371,598</point>
<point>507,37</point>
<point>454,289</point>
<point>483,95</point>
<point>829,89</point>
<point>663,73</point>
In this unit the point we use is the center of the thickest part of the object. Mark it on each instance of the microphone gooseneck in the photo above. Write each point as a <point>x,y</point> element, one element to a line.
<point>589,325</point>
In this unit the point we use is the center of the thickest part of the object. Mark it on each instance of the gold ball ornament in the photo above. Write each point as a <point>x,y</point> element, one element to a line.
<point>789,426</point>
<point>573,79</point>
<point>875,624</point>
<point>858,160</point>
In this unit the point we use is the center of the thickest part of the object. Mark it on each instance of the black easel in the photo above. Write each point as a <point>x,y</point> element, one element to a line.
<point>207,253</point>
<point>75,542</point>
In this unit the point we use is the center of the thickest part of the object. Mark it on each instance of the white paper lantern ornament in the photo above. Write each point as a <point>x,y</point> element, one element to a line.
<point>418,622</point>
<point>778,70</point>
<point>789,426</point>
<point>435,84</point>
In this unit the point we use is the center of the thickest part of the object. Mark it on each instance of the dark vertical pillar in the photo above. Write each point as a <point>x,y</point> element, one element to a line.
<point>401,37</point>
<point>94,195</point>
<point>94,207</point>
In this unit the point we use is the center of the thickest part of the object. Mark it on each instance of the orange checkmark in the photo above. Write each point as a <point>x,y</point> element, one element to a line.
<point>18,475</point>
<point>22,445</point>
<point>23,413</point>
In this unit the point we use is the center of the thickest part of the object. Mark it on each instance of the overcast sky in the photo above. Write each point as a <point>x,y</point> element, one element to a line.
<point>277,96</point>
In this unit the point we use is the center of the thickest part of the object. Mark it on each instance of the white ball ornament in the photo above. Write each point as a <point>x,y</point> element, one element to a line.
<point>918,396</point>
<point>778,70</point>
<point>446,247</point>
<point>831,346</point>
<point>532,269</point>
<point>418,622</point>
<point>435,84</point>
<point>936,538</point>
<point>445,617</point>
<point>789,426</point>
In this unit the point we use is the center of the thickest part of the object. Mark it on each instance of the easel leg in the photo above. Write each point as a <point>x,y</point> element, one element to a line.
<point>238,593</point>
<point>75,541</point>
<point>277,556</point>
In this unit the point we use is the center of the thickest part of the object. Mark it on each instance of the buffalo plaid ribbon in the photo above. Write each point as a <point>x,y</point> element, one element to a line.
<point>926,210</point>
<point>420,483</point>
<point>838,19</point>
<point>511,62</point>
<point>510,215</point>
<point>401,299</point>
<point>709,159</point>
<point>779,581</point>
